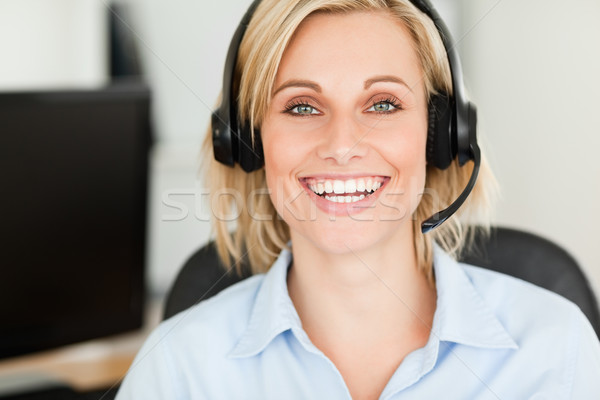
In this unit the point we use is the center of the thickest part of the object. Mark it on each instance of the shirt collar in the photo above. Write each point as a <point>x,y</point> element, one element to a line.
<point>273,311</point>
<point>461,316</point>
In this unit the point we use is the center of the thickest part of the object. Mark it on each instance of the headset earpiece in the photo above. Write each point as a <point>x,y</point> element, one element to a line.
<point>221,138</point>
<point>441,148</point>
<point>233,144</point>
<point>250,152</point>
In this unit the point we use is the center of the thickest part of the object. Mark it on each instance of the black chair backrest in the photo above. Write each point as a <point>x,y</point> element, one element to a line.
<point>537,260</point>
<point>202,276</point>
<point>512,252</point>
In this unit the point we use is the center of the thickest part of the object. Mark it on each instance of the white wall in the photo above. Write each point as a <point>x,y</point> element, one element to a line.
<point>183,45</point>
<point>53,44</point>
<point>534,71</point>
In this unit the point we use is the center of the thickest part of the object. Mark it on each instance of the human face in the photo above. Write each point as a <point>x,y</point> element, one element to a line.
<point>348,114</point>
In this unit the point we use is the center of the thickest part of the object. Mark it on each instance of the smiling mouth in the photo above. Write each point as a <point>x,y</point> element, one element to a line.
<point>345,190</point>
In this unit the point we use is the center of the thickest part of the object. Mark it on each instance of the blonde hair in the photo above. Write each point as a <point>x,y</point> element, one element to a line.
<point>261,239</point>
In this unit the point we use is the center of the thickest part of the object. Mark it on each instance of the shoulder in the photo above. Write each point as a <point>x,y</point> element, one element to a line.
<point>501,290</point>
<point>208,330</point>
<point>549,329</point>
<point>537,319</point>
<point>224,315</point>
<point>196,339</point>
<point>522,307</point>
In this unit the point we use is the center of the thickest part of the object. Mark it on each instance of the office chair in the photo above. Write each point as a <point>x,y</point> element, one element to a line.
<point>509,251</point>
<point>537,260</point>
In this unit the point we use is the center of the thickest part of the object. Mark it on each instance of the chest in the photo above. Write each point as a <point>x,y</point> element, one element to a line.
<point>366,370</point>
<point>287,369</point>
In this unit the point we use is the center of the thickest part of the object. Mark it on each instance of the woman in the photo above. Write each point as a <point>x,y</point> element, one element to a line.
<point>356,301</point>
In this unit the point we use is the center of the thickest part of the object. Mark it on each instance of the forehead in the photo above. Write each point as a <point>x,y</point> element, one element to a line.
<point>330,47</point>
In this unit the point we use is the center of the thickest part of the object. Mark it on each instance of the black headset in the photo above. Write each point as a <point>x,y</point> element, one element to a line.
<point>452,121</point>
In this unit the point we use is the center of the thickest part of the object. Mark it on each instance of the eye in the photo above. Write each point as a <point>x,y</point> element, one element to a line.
<point>304,109</point>
<point>381,107</point>
<point>301,108</point>
<point>385,106</point>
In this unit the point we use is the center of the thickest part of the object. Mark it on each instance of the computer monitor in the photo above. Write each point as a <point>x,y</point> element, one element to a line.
<point>73,176</point>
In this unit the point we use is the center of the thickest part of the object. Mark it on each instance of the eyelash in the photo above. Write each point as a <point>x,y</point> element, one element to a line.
<point>391,100</point>
<point>297,103</point>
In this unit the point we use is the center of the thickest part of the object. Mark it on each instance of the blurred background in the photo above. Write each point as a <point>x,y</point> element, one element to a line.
<point>530,66</point>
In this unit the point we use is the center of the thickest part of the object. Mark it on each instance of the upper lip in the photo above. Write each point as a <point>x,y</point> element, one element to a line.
<point>342,176</point>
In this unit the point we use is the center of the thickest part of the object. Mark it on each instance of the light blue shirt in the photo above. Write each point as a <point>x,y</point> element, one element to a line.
<point>493,337</point>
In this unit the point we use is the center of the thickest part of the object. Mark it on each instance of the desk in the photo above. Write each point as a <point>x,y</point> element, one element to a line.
<point>96,364</point>
<point>83,367</point>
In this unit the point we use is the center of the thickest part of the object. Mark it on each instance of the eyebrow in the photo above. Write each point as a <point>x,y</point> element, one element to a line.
<point>317,88</point>
<point>299,83</point>
<point>385,78</point>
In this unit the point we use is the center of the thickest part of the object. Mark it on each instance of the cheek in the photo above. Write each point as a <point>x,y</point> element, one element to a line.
<point>277,154</point>
<point>282,157</point>
<point>417,159</point>
<point>408,158</point>
<point>414,160</point>
<point>405,147</point>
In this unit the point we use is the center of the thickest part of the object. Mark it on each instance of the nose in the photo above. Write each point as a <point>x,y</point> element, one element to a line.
<point>342,140</point>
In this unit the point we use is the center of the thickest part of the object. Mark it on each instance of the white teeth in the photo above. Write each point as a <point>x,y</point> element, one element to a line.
<point>350,186</point>
<point>328,187</point>
<point>338,187</point>
<point>360,185</point>
<point>344,199</point>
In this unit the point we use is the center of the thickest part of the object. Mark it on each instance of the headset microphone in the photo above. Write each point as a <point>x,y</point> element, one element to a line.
<point>452,131</point>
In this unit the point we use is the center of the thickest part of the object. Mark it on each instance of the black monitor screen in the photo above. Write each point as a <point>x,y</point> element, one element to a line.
<point>73,173</point>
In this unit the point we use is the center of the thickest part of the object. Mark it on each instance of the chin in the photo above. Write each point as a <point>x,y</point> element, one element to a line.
<point>347,237</point>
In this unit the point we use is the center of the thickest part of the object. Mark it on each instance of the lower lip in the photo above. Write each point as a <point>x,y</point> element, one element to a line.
<point>342,209</point>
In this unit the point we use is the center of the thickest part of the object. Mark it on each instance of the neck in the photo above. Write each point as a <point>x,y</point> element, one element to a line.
<point>372,292</point>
